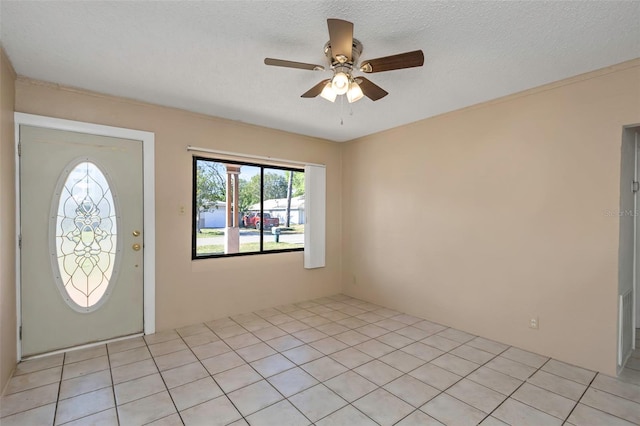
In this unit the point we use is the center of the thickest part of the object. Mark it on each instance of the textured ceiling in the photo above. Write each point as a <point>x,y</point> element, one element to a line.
<point>207,56</point>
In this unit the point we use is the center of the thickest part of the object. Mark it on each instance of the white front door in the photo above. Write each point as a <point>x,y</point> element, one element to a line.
<point>81,216</point>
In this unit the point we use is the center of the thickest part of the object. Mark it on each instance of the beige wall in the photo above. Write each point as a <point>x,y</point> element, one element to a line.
<point>484,217</point>
<point>7,223</point>
<point>192,291</point>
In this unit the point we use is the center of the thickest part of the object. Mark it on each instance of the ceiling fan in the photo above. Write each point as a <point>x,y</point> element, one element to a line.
<point>343,52</point>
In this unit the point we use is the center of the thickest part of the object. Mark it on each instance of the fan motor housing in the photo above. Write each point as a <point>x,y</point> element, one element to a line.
<point>355,54</point>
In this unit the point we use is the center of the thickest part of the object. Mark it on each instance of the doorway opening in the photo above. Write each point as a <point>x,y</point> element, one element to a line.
<point>629,252</point>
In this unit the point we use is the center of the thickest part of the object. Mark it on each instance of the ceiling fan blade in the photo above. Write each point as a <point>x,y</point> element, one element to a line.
<point>371,90</point>
<point>292,64</point>
<point>341,38</point>
<point>394,62</point>
<point>315,90</point>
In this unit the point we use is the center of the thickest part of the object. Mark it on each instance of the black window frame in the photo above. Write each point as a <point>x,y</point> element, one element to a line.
<point>262,166</point>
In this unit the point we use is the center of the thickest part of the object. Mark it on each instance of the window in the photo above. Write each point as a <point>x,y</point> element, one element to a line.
<point>244,208</point>
<point>85,236</point>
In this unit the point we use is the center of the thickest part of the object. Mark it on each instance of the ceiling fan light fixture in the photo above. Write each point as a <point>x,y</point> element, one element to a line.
<point>328,93</point>
<point>343,54</point>
<point>340,83</point>
<point>355,92</point>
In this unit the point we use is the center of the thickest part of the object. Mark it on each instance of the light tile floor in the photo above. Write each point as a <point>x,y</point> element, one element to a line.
<point>331,361</point>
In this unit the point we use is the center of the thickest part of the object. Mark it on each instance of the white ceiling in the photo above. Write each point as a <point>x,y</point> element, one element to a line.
<point>207,56</point>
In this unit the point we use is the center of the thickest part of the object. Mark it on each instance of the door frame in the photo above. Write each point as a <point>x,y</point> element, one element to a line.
<point>634,143</point>
<point>636,239</point>
<point>149,216</point>
<point>636,252</point>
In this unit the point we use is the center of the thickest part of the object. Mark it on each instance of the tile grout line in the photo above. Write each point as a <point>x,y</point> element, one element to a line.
<point>579,399</point>
<point>113,386</point>
<point>612,394</point>
<point>556,393</point>
<point>608,393</point>
<point>55,413</point>
<point>166,388</point>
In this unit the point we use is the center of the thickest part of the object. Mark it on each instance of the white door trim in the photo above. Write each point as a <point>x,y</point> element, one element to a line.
<point>634,286</point>
<point>149,253</point>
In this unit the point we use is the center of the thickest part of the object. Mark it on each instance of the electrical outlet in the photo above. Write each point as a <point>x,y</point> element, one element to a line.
<point>534,323</point>
<point>181,211</point>
<point>353,280</point>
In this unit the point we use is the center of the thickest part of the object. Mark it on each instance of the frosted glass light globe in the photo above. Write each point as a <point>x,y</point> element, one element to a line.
<point>340,83</point>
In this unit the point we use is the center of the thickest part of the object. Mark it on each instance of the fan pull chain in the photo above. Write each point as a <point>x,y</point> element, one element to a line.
<point>341,110</point>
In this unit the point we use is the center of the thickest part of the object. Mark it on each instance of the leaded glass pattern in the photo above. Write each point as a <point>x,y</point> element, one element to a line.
<point>86,235</point>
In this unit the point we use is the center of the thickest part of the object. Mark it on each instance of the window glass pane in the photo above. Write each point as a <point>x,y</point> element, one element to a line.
<point>86,235</point>
<point>249,208</point>
<point>210,207</point>
<point>283,200</point>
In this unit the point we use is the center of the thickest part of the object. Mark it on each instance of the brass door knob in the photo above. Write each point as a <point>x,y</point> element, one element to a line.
<point>136,246</point>
<point>136,233</point>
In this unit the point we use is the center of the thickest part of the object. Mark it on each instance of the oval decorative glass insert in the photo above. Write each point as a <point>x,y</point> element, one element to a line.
<point>85,235</point>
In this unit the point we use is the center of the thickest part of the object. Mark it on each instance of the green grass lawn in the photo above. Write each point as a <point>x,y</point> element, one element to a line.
<point>217,232</point>
<point>247,247</point>
<point>293,229</point>
<point>210,232</point>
